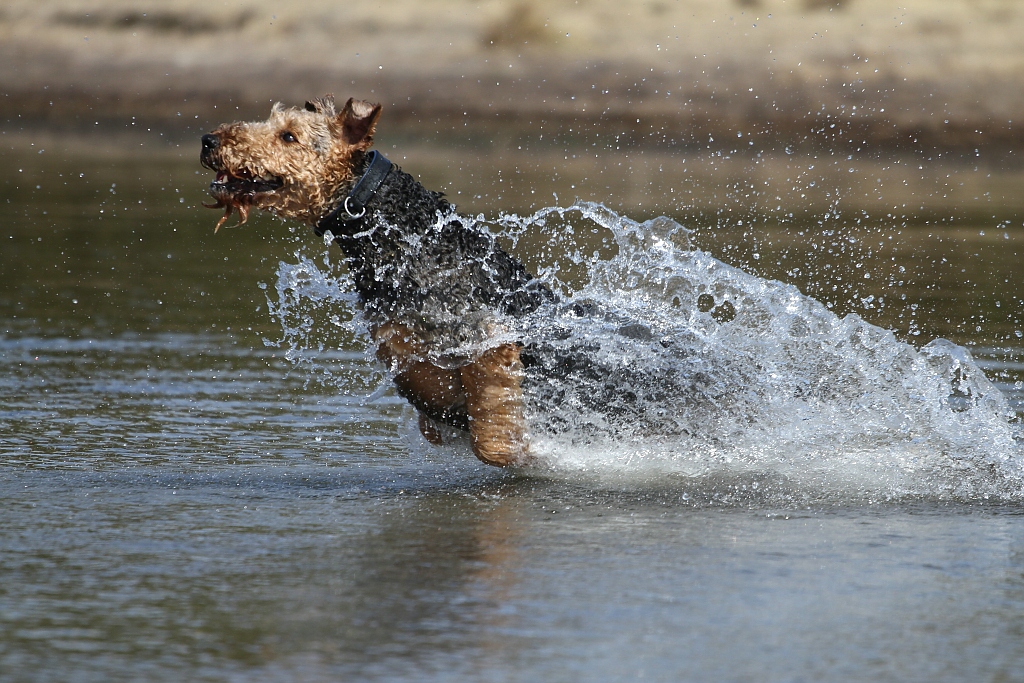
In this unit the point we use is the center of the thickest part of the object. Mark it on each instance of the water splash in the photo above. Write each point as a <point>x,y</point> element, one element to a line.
<point>663,363</point>
<point>317,311</point>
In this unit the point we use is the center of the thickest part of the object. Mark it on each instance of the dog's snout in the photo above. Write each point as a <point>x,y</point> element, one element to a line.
<point>210,142</point>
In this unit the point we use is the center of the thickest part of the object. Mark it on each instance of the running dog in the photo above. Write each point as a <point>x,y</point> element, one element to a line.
<point>428,282</point>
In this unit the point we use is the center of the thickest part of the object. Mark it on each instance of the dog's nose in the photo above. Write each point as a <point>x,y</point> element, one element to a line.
<point>210,142</point>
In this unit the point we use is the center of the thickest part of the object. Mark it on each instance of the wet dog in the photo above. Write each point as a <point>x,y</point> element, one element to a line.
<point>434,289</point>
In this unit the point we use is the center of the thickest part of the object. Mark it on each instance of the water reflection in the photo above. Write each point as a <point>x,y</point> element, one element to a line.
<point>299,572</point>
<point>420,585</point>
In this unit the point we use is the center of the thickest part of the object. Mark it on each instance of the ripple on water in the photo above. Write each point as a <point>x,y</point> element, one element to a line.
<point>180,398</point>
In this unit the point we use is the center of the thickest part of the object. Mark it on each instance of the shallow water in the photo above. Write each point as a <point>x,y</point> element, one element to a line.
<point>185,501</point>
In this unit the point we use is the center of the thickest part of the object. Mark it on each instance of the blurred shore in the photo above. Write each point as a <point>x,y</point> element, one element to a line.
<point>843,74</point>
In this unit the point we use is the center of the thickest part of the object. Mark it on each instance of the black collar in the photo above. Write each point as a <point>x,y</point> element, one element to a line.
<point>354,206</point>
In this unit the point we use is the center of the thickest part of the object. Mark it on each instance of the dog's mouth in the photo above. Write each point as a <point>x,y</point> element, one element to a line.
<point>243,184</point>
<point>239,190</point>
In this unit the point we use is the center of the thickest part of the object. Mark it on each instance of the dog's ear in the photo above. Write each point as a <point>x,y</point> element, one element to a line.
<point>358,119</point>
<point>322,105</point>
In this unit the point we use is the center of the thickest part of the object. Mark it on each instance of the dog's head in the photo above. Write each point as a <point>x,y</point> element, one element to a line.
<point>291,164</point>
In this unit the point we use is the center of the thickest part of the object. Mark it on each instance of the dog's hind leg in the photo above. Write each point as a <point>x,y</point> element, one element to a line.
<point>494,402</point>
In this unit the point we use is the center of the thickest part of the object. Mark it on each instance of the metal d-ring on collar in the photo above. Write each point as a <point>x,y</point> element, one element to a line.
<point>353,216</point>
<point>354,206</point>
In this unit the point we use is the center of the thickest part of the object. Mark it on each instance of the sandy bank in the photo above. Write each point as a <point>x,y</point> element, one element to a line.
<point>847,73</point>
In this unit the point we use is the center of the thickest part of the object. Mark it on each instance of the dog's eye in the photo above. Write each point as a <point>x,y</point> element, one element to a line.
<point>287,136</point>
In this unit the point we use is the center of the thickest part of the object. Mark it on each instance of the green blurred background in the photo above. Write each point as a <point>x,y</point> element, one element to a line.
<point>814,141</point>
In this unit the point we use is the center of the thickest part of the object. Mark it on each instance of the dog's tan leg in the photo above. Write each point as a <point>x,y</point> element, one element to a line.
<point>494,401</point>
<point>436,392</point>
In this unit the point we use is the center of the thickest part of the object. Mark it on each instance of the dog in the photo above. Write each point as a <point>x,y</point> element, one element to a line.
<point>434,289</point>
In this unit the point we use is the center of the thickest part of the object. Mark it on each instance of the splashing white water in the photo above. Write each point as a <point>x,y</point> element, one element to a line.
<point>663,362</point>
<point>318,314</point>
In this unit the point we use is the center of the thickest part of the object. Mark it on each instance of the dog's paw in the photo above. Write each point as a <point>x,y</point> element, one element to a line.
<point>430,431</point>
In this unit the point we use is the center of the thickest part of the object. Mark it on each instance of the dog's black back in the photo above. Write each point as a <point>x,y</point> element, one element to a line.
<point>413,260</point>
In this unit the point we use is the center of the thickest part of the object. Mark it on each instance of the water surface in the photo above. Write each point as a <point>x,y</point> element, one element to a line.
<point>182,501</point>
